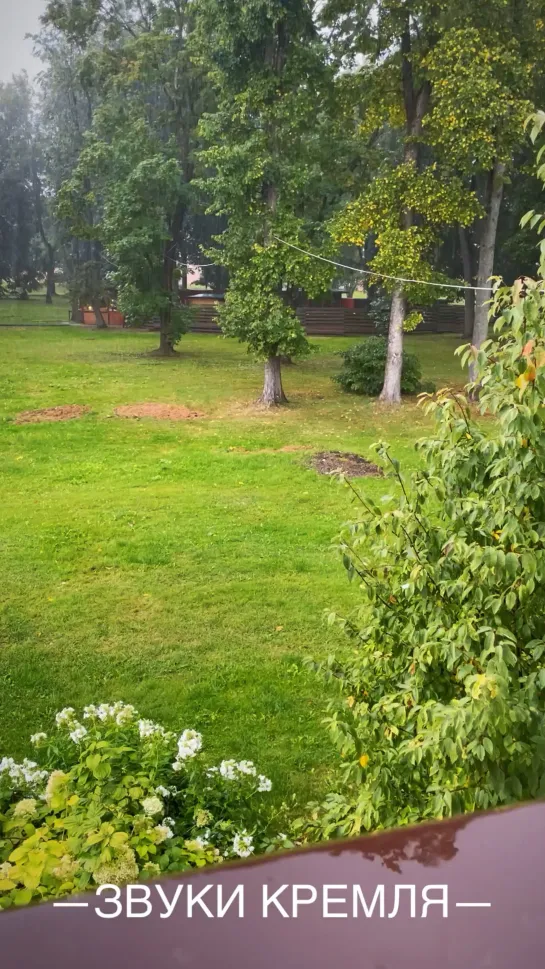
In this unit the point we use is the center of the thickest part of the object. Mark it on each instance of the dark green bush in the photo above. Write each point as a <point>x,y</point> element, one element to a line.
<point>364,365</point>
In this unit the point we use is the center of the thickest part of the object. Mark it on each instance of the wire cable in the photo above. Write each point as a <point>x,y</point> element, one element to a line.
<point>369,272</point>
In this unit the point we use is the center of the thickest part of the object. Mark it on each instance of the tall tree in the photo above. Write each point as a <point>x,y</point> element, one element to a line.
<point>407,203</point>
<point>481,84</point>
<point>68,45</point>
<point>266,141</point>
<point>149,84</point>
<point>17,264</point>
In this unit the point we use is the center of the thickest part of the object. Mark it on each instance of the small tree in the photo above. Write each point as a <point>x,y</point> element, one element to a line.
<point>267,141</point>
<point>443,705</point>
<point>404,246</point>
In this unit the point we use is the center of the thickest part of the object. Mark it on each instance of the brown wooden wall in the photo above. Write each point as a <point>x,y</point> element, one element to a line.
<point>341,321</point>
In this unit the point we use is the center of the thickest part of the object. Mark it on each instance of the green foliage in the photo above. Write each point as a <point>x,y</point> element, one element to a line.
<point>404,251</point>
<point>139,183</point>
<point>108,786</point>
<point>480,101</point>
<point>443,692</point>
<point>364,365</point>
<point>257,308</point>
<point>267,148</point>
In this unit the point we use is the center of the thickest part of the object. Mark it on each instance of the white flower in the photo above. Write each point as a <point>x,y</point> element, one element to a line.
<point>27,774</point>
<point>120,712</point>
<point>152,805</point>
<point>247,767</point>
<point>25,808</point>
<point>164,832</point>
<point>162,791</point>
<point>189,743</point>
<point>55,784</point>
<point>228,770</point>
<point>37,738</point>
<point>202,818</point>
<point>200,842</point>
<point>66,717</point>
<point>243,845</point>
<point>78,733</point>
<point>147,728</point>
<point>104,711</point>
<point>125,714</point>
<point>264,783</point>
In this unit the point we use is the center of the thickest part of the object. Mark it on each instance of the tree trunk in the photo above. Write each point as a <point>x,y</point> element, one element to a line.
<point>166,339</point>
<point>166,346</point>
<point>469,279</point>
<point>487,245</point>
<point>391,391</point>
<point>50,279</point>
<point>75,312</point>
<point>273,393</point>
<point>416,103</point>
<point>99,319</point>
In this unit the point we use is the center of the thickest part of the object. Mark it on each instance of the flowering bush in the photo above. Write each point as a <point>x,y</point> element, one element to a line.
<point>116,799</point>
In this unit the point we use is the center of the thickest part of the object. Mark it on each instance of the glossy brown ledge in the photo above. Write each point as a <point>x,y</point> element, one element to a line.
<point>493,861</point>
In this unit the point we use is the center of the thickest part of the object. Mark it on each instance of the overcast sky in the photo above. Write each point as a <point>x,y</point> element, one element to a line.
<point>17,18</point>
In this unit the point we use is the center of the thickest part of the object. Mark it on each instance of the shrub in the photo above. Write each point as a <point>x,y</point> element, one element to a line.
<point>442,694</point>
<point>364,365</point>
<point>119,799</point>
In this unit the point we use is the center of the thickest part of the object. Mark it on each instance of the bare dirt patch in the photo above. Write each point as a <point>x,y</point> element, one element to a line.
<point>161,412</point>
<point>353,465</point>
<point>65,412</point>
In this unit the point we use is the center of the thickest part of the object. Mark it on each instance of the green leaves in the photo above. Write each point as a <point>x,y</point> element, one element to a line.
<point>443,685</point>
<point>132,801</point>
<point>267,164</point>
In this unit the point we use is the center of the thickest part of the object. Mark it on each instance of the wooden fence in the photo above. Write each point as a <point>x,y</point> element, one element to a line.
<point>341,321</point>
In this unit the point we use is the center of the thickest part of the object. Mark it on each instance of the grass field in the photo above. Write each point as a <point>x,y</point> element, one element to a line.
<point>183,567</point>
<point>34,310</point>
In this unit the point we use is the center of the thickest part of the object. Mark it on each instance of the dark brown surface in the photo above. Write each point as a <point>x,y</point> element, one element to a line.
<point>353,465</point>
<point>497,858</point>
<point>64,412</point>
<point>343,321</point>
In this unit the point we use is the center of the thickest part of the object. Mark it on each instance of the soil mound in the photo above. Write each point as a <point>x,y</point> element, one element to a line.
<point>65,412</point>
<point>353,465</point>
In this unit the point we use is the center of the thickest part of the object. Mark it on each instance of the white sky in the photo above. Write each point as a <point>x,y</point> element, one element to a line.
<point>17,18</point>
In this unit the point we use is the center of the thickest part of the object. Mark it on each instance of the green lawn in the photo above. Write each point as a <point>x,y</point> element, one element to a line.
<point>173,565</point>
<point>34,310</point>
